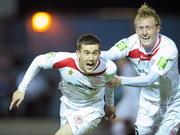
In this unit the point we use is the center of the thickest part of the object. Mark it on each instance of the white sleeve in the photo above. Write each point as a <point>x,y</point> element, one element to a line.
<point>38,63</point>
<point>112,54</point>
<point>109,96</point>
<point>118,51</point>
<point>140,81</point>
<point>109,92</point>
<point>166,61</point>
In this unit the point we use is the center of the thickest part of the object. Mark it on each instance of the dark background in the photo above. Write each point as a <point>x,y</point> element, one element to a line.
<point>78,5</point>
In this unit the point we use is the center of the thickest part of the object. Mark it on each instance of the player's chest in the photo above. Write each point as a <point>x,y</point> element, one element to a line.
<point>74,77</point>
<point>143,65</point>
<point>141,60</point>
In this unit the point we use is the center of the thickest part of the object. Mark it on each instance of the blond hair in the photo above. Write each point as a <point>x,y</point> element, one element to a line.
<point>144,12</point>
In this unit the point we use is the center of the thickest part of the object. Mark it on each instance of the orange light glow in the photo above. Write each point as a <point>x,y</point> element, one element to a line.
<point>41,21</point>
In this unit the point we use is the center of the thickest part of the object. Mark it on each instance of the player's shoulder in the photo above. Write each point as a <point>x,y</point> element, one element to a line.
<point>109,64</point>
<point>106,61</point>
<point>167,41</point>
<point>59,55</point>
<point>68,54</point>
<point>127,42</point>
<point>133,39</point>
<point>168,44</point>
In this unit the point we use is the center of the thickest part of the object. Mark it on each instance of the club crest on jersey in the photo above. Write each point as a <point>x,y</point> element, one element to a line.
<point>121,45</point>
<point>70,72</point>
<point>162,63</point>
<point>78,119</point>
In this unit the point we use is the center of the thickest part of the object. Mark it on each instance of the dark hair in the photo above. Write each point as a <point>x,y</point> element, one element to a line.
<point>87,39</point>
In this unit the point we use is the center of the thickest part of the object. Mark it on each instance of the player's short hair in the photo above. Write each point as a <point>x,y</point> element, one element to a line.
<point>144,12</point>
<point>87,39</point>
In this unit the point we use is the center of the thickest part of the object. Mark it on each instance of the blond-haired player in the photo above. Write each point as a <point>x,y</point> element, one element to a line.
<point>155,58</point>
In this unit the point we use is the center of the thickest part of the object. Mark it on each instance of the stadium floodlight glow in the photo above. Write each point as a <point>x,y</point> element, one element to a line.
<point>41,21</point>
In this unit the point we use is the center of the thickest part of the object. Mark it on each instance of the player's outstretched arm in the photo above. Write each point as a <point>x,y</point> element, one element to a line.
<point>17,98</point>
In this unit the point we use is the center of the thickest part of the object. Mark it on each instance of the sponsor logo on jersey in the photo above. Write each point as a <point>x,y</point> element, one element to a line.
<point>162,63</point>
<point>122,45</point>
<point>81,86</point>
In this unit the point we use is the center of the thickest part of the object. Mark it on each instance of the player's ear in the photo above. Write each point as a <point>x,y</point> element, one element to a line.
<point>77,51</point>
<point>158,28</point>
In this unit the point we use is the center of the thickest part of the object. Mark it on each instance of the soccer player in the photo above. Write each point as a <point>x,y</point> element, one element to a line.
<point>155,58</point>
<point>84,77</point>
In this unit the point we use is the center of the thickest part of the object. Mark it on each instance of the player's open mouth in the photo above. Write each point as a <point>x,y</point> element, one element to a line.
<point>145,38</point>
<point>90,65</point>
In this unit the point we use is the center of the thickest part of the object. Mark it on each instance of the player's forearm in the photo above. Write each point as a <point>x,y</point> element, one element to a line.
<point>111,54</point>
<point>109,96</point>
<point>29,75</point>
<point>140,81</point>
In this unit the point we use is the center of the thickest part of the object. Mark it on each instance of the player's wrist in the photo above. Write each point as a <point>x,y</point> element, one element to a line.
<point>22,91</point>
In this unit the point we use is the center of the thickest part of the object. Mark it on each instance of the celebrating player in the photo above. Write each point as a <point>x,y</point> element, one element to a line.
<point>84,77</point>
<point>155,58</point>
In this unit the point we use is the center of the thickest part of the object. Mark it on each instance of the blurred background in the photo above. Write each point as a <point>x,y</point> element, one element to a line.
<point>22,38</point>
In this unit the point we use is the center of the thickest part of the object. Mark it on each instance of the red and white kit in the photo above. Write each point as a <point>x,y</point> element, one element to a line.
<point>160,99</point>
<point>82,101</point>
